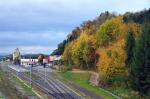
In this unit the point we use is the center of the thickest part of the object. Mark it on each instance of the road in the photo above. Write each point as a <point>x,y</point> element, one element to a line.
<point>44,79</point>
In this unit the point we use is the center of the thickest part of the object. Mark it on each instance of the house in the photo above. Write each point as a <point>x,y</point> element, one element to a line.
<point>57,58</point>
<point>29,61</point>
<point>45,60</point>
<point>54,58</point>
<point>51,58</point>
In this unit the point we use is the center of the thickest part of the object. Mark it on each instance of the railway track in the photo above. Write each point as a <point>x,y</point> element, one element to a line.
<point>49,92</point>
<point>53,88</point>
<point>25,77</point>
<point>67,93</point>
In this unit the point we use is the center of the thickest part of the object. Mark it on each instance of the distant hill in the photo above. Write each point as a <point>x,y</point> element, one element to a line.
<point>33,56</point>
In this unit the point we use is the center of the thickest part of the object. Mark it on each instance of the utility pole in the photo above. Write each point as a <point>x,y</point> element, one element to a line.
<point>45,74</point>
<point>30,76</point>
<point>45,61</point>
<point>31,71</point>
<point>38,68</point>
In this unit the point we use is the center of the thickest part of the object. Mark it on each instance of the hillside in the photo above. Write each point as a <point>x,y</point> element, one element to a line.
<point>114,46</point>
<point>138,17</point>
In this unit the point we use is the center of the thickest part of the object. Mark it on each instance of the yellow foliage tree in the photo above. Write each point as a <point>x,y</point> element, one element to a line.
<point>112,61</point>
<point>81,51</point>
<point>112,57</point>
<point>109,30</point>
<point>67,55</point>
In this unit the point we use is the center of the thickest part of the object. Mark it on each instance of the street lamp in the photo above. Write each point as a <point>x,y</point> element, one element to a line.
<point>45,74</point>
<point>30,76</point>
<point>31,64</point>
<point>45,61</point>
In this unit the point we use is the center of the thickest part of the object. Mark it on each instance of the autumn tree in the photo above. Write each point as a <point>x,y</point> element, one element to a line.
<point>108,31</point>
<point>40,58</point>
<point>67,55</point>
<point>81,51</point>
<point>88,27</point>
<point>111,63</point>
<point>112,59</point>
<point>102,18</point>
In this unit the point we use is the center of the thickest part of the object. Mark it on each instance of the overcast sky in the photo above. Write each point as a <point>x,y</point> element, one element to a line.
<point>36,26</point>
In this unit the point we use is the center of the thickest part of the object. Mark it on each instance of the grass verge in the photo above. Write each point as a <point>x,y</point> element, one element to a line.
<point>82,79</point>
<point>25,87</point>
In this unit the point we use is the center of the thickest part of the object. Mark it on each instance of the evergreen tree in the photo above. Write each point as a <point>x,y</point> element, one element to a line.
<point>130,44</point>
<point>141,62</point>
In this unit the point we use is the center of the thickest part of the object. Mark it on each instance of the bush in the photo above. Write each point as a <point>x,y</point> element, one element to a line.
<point>65,68</point>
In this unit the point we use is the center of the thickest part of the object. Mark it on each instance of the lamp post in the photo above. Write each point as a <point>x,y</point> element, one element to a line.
<point>45,61</point>
<point>45,74</point>
<point>38,68</point>
<point>31,63</point>
<point>30,76</point>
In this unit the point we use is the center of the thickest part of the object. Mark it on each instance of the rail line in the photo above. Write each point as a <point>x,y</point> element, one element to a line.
<point>61,88</point>
<point>51,87</point>
<point>50,93</point>
<point>24,76</point>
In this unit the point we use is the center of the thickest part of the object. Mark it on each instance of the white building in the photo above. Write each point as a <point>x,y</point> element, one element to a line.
<point>54,58</point>
<point>57,58</point>
<point>29,61</point>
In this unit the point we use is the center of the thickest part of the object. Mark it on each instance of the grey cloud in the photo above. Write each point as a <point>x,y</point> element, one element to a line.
<point>48,38</point>
<point>45,23</point>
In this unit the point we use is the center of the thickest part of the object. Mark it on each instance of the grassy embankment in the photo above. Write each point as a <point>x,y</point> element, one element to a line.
<point>82,79</point>
<point>23,85</point>
<point>8,84</point>
<point>7,87</point>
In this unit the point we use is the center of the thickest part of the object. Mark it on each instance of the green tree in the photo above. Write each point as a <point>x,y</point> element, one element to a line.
<point>141,62</point>
<point>130,44</point>
<point>109,30</point>
<point>60,48</point>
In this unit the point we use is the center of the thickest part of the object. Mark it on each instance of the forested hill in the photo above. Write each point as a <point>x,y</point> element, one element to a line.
<point>115,46</point>
<point>87,25</point>
<point>91,26</point>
